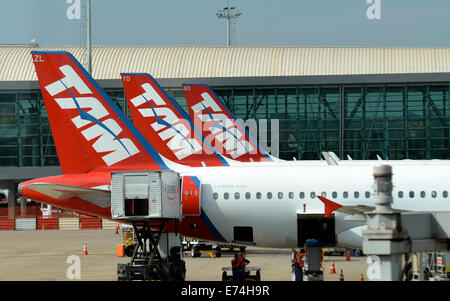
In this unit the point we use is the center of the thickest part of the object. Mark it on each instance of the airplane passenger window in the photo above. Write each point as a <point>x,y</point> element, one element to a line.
<point>334,194</point>
<point>445,194</point>
<point>237,195</point>
<point>291,195</point>
<point>400,194</point>
<point>313,195</point>
<point>411,194</point>
<point>345,194</point>
<point>433,194</point>
<point>280,195</point>
<point>367,194</point>
<point>269,195</point>
<point>356,194</point>
<point>258,195</point>
<point>422,194</point>
<point>215,195</point>
<point>302,195</point>
<point>226,195</point>
<point>323,194</point>
<point>247,195</point>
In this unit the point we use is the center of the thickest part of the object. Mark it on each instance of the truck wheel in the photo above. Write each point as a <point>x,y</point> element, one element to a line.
<point>195,252</point>
<point>129,250</point>
<point>218,251</point>
<point>258,276</point>
<point>224,276</point>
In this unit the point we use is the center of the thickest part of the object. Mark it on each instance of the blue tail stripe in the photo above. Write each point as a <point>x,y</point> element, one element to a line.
<point>166,124</point>
<point>86,116</point>
<point>211,227</point>
<point>205,218</point>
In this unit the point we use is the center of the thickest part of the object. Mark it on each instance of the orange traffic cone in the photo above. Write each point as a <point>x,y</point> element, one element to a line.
<point>347,257</point>
<point>117,229</point>
<point>361,278</point>
<point>341,276</point>
<point>332,270</point>
<point>85,252</point>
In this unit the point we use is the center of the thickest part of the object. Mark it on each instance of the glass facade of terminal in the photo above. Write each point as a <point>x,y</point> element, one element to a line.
<point>362,121</point>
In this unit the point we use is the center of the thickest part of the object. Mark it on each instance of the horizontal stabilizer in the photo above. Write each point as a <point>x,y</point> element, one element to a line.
<point>334,156</point>
<point>329,159</point>
<point>97,196</point>
<point>330,206</point>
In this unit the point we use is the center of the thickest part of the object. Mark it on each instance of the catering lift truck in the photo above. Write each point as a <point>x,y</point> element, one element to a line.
<point>149,200</point>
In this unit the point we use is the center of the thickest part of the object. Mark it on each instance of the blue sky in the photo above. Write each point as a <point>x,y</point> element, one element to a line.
<point>262,23</point>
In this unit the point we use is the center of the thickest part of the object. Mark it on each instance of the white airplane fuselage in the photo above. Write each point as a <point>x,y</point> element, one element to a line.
<point>274,219</point>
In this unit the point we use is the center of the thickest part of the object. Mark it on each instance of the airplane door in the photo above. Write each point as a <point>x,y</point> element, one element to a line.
<point>191,199</point>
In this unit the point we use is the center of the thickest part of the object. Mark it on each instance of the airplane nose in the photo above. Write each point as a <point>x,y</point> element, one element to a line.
<point>19,189</point>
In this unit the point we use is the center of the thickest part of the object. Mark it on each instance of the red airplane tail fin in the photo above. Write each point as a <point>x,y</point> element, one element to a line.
<point>89,130</point>
<point>219,125</point>
<point>165,124</point>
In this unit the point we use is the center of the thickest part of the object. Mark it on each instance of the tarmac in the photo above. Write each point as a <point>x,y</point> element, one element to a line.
<point>43,256</point>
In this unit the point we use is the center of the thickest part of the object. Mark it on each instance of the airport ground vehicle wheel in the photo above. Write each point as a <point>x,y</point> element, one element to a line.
<point>195,251</point>
<point>224,276</point>
<point>242,249</point>
<point>218,251</point>
<point>258,276</point>
<point>129,250</point>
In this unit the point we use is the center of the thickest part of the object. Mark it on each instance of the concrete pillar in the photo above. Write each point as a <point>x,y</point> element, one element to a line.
<point>12,196</point>
<point>23,206</point>
<point>391,268</point>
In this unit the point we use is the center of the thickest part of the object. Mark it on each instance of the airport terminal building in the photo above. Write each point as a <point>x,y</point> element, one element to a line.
<point>362,102</point>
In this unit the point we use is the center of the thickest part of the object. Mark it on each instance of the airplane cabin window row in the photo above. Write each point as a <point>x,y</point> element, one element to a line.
<point>334,195</point>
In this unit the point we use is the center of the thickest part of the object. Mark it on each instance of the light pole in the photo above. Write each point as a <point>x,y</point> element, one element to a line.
<point>88,38</point>
<point>231,14</point>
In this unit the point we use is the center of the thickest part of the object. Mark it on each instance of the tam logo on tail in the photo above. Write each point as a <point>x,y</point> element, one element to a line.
<point>221,127</point>
<point>167,124</point>
<point>106,132</point>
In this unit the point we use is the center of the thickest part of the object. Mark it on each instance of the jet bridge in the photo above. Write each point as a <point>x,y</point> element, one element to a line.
<point>391,234</point>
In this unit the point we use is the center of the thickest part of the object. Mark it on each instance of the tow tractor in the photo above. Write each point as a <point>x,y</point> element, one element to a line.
<point>149,200</point>
<point>213,249</point>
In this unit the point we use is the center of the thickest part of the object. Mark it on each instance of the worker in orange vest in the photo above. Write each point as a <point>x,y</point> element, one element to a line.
<point>297,265</point>
<point>238,264</point>
<point>235,265</point>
